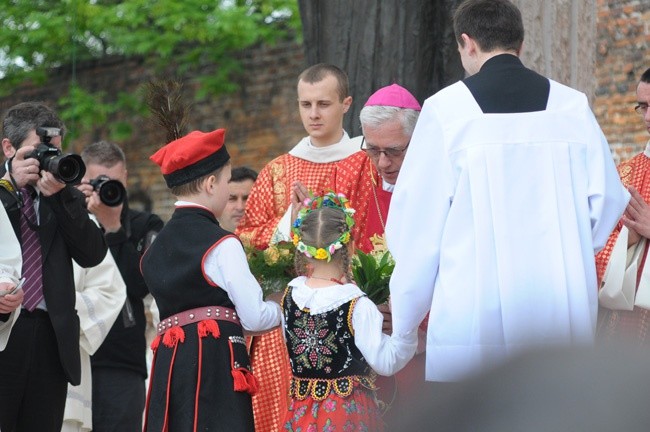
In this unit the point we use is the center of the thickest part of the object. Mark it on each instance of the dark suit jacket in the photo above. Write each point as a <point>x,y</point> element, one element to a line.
<point>66,233</point>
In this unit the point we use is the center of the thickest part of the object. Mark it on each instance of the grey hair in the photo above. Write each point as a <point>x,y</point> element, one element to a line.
<point>27,116</point>
<point>376,115</point>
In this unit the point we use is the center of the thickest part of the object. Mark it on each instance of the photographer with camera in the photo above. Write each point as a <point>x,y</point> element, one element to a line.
<point>53,227</point>
<point>118,367</point>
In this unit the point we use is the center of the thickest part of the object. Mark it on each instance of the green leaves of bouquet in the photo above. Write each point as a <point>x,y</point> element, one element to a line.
<point>372,273</point>
<point>272,267</point>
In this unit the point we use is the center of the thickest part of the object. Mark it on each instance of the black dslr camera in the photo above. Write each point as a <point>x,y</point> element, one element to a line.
<point>111,192</point>
<point>68,168</point>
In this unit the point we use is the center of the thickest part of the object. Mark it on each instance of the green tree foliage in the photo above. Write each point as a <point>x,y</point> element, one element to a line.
<point>174,36</point>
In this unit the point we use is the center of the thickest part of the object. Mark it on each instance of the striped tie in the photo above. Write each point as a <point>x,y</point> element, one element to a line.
<point>32,258</point>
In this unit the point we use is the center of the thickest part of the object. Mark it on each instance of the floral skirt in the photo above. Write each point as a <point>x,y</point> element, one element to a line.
<point>357,412</point>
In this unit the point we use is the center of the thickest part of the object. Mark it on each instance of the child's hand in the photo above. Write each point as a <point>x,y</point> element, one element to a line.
<point>387,325</point>
<point>422,342</point>
<point>275,297</point>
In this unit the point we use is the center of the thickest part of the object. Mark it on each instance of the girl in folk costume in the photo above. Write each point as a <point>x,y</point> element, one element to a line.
<point>333,331</point>
<point>198,274</point>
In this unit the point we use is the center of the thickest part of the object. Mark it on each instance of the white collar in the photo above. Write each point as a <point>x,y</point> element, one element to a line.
<point>331,153</point>
<point>323,299</point>
<point>181,203</point>
<point>647,149</point>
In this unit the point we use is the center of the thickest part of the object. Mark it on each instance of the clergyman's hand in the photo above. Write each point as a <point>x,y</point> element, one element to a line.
<point>299,194</point>
<point>637,214</point>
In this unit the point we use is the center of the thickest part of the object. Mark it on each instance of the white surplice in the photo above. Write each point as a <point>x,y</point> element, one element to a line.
<point>11,263</point>
<point>494,224</point>
<point>100,295</point>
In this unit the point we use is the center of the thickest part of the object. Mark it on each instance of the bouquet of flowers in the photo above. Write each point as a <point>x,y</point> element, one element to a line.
<point>372,273</point>
<point>272,267</point>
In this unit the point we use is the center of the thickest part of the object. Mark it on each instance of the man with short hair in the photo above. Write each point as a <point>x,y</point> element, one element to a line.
<point>622,265</point>
<point>119,367</point>
<point>239,189</point>
<point>507,191</point>
<point>323,100</point>
<point>50,220</point>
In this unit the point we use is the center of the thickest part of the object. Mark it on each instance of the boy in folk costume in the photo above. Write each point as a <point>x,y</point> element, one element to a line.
<point>198,274</point>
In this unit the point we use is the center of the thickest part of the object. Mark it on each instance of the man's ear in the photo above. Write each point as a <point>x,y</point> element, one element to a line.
<point>347,102</point>
<point>469,44</point>
<point>8,149</point>
<point>520,50</point>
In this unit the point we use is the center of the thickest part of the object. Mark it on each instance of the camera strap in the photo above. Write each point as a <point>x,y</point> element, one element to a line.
<point>10,185</point>
<point>6,184</point>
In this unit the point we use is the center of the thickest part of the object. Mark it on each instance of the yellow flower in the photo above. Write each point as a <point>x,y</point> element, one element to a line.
<point>346,238</point>
<point>379,245</point>
<point>271,255</point>
<point>295,239</point>
<point>285,252</point>
<point>321,254</point>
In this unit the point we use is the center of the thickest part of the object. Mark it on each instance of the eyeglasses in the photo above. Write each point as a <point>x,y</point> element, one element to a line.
<point>641,109</point>
<point>391,152</point>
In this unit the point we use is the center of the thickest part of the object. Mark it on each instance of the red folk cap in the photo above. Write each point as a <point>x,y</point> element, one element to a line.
<point>192,156</point>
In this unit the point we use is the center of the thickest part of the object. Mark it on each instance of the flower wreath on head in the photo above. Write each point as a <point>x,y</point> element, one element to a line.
<point>330,199</point>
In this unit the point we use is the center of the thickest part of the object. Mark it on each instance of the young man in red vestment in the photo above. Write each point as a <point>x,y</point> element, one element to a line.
<point>623,267</point>
<point>323,100</point>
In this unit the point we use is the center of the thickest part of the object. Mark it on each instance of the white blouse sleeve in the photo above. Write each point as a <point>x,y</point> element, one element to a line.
<point>385,354</point>
<point>226,266</point>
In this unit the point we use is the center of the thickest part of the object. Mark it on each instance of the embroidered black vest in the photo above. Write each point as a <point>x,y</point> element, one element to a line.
<point>322,352</point>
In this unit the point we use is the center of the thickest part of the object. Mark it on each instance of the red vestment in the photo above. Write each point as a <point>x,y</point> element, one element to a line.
<point>634,325</point>
<point>357,178</point>
<point>271,195</point>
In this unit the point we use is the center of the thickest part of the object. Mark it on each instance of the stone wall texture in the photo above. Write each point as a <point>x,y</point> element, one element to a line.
<point>622,54</point>
<point>598,47</point>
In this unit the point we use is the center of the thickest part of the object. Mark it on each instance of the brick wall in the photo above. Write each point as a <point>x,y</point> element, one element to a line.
<point>622,54</point>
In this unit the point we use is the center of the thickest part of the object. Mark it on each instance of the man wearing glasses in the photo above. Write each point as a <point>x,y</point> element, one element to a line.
<point>623,265</point>
<point>368,177</point>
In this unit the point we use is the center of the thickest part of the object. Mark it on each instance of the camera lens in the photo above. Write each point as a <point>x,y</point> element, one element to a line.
<point>67,168</point>
<point>112,193</point>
